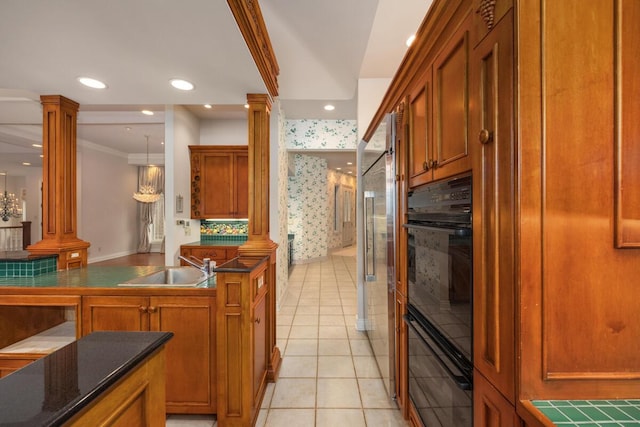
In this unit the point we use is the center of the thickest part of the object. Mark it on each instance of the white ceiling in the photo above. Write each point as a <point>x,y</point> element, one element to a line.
<point>322,47</point>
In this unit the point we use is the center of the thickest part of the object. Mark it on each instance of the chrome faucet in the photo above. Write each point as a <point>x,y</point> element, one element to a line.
<point>204,265</point>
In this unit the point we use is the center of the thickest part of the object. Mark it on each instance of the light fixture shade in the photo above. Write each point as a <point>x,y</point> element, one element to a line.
<point>146,193</point>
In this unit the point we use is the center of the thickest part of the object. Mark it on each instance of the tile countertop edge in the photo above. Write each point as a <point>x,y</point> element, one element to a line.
<point>581,412</point>
<point>530,414</point>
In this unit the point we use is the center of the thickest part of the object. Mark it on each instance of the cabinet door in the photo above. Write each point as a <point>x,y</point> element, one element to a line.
<point>217,189</point>
<point>494,208</point>
<point>259,327</point>
<point>241,191</point>
<point>190,353</point>
<point>451,105</point>
<point>490,408</point>
<point>420,151</point>
<point>114,313</point>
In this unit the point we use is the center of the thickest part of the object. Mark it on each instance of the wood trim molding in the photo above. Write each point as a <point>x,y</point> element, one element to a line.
<point>249,19</point>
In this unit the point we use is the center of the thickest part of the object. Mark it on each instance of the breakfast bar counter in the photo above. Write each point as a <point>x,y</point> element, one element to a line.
<point>76,384</point>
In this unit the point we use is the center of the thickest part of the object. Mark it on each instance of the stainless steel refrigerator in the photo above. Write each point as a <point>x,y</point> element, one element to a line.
<point>379,238</point>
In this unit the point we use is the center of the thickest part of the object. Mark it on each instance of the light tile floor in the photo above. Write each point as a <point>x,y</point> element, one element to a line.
<point>328,376</point>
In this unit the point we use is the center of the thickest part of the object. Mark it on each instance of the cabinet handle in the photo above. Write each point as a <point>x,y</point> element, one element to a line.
<point>485,136</point>
<point>142,309</point>
<point>434,164</point>
<point>257,320</point>
<point>151,309</point>
<point>425,166</point>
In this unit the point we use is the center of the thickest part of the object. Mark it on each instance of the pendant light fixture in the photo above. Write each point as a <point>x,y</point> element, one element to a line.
<point>146,193</point>
<point>9,204</point>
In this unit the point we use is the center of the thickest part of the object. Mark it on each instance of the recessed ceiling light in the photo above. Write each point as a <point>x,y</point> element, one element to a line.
<point>349,163</point>
<point>246,105</point>
<point>37,145</point>
<point>41,156</point>
<point>128,128</point>
<point>181,84</point>
<point>207,105</point>
<point>329,107</point>
<point>93,83</point>
<point>161,142</point>
<point>147,112</point>
<point>26,164</point>
<point>338,169</point>
<point>350,172</point>
<point>410,40</point>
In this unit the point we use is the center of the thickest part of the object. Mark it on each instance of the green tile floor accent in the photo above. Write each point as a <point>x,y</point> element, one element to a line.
<point>591,413</point>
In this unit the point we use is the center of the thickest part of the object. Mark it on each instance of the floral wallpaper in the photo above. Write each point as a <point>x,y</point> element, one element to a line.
<point>282,256</point>
<point>321,134</point>
<point>307,207</point>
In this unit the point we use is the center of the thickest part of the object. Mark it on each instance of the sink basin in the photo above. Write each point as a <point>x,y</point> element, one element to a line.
<point>171,276</point>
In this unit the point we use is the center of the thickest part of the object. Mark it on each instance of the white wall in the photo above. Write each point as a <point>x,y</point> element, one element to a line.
<point>370,95</point>
<point>181,130</point>
<point>105,185</point>
<point>224,132</point>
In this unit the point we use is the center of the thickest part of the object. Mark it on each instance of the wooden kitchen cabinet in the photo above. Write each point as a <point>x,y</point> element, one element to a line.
<point>490,408</point>
<point>190,375</point>
<point>243,353</point>
<point>439,113</point>
<point>493,145</point>
<point>219,181</point>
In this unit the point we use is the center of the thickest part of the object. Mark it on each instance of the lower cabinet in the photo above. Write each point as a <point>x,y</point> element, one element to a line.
<point>490,407</point>
<point>190,355</point>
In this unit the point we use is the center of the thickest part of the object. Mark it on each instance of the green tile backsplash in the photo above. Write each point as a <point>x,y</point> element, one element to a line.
<point>28,268</point>
<point>591,413</point>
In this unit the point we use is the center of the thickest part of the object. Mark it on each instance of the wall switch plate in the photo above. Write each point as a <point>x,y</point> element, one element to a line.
<point>180,222</point>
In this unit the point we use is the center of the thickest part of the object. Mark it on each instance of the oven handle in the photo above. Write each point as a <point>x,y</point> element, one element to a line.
<point>461,381</point>
<point>452,231</point>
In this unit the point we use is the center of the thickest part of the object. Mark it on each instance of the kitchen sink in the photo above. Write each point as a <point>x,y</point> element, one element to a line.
<point>171,276</point>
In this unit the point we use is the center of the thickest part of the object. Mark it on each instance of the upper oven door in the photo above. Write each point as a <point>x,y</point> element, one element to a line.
<point>440,280</point>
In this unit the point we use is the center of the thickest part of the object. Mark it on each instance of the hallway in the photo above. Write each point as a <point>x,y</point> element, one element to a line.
<point>328,375</point>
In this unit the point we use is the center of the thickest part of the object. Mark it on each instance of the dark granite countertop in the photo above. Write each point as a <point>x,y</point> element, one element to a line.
<point>36,396</point>
<point>240,265</point>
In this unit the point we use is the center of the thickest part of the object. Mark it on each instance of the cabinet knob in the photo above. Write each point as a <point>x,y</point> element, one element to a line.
<point>257,320</point>
<point>152,309</point>
<point>142,309</point>
<point>425,166</point>
<point>485,136</point>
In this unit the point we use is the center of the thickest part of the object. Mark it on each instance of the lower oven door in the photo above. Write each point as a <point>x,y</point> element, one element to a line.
<point>440,392</point>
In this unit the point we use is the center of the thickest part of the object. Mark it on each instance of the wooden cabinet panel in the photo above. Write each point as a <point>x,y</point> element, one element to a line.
<point>493,148</point>
<point>106,313</point>
<point>260,353</point>
<point>219,181</point>
<point>421,153</point>
<point>216,188</point>
<point>241,173</point>
<point>627,125</point>
<point>191,351</point>
<point>490,408</point>
<point>451,105</point>
<point>190,376</point>
<point>219,254</point>
<point>439,113</point>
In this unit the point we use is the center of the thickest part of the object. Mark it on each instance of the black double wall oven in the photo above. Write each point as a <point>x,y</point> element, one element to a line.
<point>440,311</point>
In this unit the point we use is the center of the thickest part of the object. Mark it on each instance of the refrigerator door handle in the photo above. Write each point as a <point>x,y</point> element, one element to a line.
<point>369,235</point>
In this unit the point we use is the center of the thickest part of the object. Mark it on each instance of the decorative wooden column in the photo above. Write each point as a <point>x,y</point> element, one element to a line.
<point>59,219</point>
<point>259,244</point>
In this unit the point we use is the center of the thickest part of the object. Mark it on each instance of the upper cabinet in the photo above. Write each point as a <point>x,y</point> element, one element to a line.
<point>439,113</point>
<point>219,181</point>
